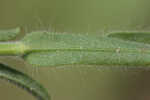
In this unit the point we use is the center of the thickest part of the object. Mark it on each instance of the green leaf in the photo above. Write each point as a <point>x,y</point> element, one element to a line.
<point>44,41</point>
<point>23,81</point>
<point>143,37</point>
<point>54,49</point>
<point>87,58</point>
<point>9,34</point>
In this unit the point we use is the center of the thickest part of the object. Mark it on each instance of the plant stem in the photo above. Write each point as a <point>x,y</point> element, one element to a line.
<point>11,48</point>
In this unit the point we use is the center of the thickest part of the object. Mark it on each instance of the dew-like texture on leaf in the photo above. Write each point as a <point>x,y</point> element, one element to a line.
<point>143,37</point>
<point>9,34</point>
<point>55,41</point>
<point>87,58</point>
<point>51,49</point>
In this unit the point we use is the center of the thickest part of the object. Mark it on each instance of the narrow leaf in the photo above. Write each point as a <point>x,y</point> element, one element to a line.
<point>23,81</point>
<point>143,37</point>
<point>87,58</point>
<point>44,41</point>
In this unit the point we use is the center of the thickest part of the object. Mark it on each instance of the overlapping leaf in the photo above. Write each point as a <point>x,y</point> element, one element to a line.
<point>142,37</point>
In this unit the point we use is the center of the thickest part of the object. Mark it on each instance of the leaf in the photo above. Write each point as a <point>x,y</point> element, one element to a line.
<point>143,37</point>
<point>9,34</point>
<point>23,81</point>
<point>87,58</point>
<point>44,41</point>
<point>54,49</point>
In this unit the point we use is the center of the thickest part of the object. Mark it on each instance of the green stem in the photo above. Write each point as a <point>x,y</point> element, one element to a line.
<point>11,48</point>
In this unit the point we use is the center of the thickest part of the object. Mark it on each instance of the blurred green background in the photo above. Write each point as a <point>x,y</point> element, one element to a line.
<point>78,16</point>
